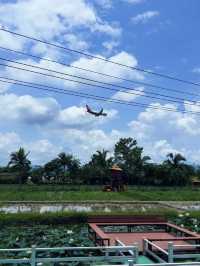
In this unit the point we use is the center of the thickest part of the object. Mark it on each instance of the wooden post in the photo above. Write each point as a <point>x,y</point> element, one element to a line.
<point>170,252</point>
<point>33,256</point>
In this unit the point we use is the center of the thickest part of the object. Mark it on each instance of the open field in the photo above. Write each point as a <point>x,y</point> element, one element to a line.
<point>93,193</point>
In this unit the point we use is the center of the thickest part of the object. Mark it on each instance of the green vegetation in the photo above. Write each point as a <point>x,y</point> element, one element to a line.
<point>138,169</point>
<point>188,219</point>
<point>94,193</point>
<point>44,236</point>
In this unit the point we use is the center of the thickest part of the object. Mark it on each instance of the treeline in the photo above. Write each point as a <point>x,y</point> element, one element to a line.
<point>66,169</point>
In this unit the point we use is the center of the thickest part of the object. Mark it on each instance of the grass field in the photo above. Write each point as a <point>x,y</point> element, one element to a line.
<point>67,193</point>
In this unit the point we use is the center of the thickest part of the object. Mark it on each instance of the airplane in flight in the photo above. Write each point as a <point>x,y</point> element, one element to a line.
<point>100,113</point>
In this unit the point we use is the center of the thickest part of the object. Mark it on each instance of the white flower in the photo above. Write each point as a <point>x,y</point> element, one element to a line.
<point>195,225</point>
<point>182,225</point>
<point>187,214</point>
<point>28,251</point>
<point>180,215</point>
<point>71,240</point>
<point>69,232</point>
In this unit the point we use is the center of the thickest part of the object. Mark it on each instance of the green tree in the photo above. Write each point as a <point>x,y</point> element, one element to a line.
<point>97,170</point>
<point>64,168</point>
<point>129,157</point>
<point>65,160</point>
<point>175,160</point>
<point>53,169</point>
<point>20,163</point>
<point>178,171</point>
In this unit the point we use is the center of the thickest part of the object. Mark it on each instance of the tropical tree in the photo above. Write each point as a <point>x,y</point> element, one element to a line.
<point>64,160</point>
<point>64,168</point>
<point>98,167</point>
<point>20,163</point>
<point>53,170</point>
<point>129,157</point>
<point>175,160</point>
<point>178,171</point>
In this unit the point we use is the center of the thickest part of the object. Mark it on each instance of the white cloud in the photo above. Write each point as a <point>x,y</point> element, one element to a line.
<point>75,42</point>
<point>144,17</point>
<point>8,141</point>
<point>104,3</point>
<point>161,132</point>
<point>109,68</point>
<point>110,45</point>
<point>134,2</point>
<point>48,19</point>
<point>128,95</point>
<point>196,70</point>
<point>41,150</point>
<point>77,117</point>
<point>84,143</point>
<point>41,111</point>
<point>10,41</point>
<point>83,62</point>
<point>28,109</point>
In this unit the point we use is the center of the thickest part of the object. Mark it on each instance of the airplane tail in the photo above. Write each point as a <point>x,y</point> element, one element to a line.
<point>87,108</point>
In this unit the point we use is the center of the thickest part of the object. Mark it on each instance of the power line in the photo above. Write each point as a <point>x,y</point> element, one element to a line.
<point>102,59</point>
<point>89,96</point>
<point>176,99</point>
<point>99,73</point>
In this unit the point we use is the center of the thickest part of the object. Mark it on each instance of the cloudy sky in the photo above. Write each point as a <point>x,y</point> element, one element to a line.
<point>157,35</point>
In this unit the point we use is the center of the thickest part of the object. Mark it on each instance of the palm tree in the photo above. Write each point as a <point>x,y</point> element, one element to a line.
<point>69,164</point>
<point>175,160</point>
<point>20,162</point>
<point>100,158</point>
<point>101,164</point>
<point>64,160</point>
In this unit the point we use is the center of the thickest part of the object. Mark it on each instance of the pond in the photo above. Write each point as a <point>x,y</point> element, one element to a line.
<point>44,236</point>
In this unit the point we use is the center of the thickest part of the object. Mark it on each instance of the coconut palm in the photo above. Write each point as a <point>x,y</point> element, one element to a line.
<point>175,160</point>
<point>19,161</point>
<point>100,165</point>
<point>64,160</point>
<point>100,158</point>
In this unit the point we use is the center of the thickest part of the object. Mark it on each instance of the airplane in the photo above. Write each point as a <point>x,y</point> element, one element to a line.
<point>101,113</point>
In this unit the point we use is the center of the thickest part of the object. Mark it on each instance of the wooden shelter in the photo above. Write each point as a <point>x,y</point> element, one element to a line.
<point>117,178</point>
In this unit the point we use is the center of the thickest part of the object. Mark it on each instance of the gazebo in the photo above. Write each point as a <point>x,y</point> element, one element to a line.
<point>117,178</point>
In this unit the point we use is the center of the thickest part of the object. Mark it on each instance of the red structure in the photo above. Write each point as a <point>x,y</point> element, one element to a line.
<point>105,231</point>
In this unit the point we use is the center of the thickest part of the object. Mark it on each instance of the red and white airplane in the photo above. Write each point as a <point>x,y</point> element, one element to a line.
<point>100,113</point>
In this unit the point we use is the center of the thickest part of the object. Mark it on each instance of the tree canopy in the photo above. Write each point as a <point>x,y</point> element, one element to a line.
<point>137,167</point>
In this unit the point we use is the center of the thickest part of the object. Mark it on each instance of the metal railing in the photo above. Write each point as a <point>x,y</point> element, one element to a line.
<point>134,253</point>
<point>71,254</point>
<point>173,253</point>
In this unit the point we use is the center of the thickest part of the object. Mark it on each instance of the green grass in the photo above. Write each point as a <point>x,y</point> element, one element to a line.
<point>67,193</point>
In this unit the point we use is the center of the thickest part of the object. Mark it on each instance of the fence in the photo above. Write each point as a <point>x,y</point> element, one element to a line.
<point>71,254</point>
<point>173,253</point>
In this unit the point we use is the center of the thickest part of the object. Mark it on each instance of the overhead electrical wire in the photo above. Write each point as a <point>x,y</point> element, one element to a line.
<point>169,98</point>
<point>147,84</point>
<point>93,85</point>
<point>89,96</point>
<point>101,58</point>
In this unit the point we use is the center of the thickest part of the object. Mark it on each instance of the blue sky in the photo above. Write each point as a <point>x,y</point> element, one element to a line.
<point>156,35</point>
